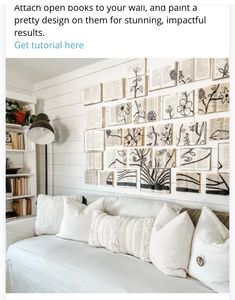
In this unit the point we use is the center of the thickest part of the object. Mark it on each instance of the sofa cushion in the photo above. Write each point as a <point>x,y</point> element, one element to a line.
<point>46,264</point>
<point>50,211</point>
<point>77,218</point>
<point>209,261</point>
<point>127,235</point>
<point>170,242</point>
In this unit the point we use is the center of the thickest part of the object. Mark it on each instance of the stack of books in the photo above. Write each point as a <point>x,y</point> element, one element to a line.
<point>22,207</point>
<point>18,186</point>
<point>15,140</point>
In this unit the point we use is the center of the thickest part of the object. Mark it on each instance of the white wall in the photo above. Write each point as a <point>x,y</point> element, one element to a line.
<point>60,99</point>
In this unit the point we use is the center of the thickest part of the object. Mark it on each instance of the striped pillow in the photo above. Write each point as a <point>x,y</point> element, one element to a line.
<point>121,234</point>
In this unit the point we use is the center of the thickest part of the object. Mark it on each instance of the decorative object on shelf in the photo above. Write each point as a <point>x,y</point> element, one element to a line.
<point>217,183</point>
<point>188,182</point>
<point>214,98</point>
<point>41,132</point>
<point>17,113</point>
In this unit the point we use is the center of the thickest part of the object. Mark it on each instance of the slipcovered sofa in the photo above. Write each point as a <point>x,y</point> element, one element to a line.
<point>47,264</point>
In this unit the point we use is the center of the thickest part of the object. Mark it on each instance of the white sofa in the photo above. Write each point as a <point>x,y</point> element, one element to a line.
<point>47,264</point>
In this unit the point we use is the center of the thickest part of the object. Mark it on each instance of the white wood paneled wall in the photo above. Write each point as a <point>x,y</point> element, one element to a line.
<point>60,99</point>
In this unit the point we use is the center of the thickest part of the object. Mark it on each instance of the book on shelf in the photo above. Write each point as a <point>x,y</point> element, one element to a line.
<point>15,140</point>
<point>22,207</point>
<point>18,186</point>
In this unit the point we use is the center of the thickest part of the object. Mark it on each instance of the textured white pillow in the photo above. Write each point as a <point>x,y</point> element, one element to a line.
<point>209,262</point>
<point>50,212</point>
<point>77,218</point>
<point>170,242</point>
<point>127,235</point>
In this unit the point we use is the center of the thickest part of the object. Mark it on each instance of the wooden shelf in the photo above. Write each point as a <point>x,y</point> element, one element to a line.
<point>19,175</point>
<point>20,197</point>
<point>18,150</point>
<point>16,126</point>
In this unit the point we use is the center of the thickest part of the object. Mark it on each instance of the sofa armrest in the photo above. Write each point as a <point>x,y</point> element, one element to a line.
<point>19,230</point>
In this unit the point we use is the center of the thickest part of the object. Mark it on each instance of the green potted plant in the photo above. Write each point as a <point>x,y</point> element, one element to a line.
<point>17,113</point>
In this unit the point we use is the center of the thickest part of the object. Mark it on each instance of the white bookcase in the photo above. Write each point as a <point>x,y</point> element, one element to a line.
<point>25,158</point>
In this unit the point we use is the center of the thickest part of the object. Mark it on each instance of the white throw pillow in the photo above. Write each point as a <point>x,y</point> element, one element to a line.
<point>122,234</point>
<point>170,242</point>
<point>77,218</point>
<point>50,212</point>
<point>209,262</point>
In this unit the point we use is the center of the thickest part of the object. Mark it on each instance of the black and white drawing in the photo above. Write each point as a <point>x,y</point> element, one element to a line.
<point>219,129</point>
<point>152,104</point>
<point>188,182</point>
<point>133,137</point>
<point>165,158</point>
<point>115,158</point>
<point>186,71</point>
<point>136,87</point>
<point>106,178</point>
<point>223,157</point>
<point>113,137</point>
<point>195,159</point>
<point>163,77</point>
<point>178,105</point>
<point>214,98</point>
<point>190,134</point>
<point>127,178</point>
<point>156,180</point>
<point>217,184</point>
<point>159,135</point>
<point>137,67</point>
<point>139,111</point>
<point>220,68</point>
<point>119,114</point>
<point>141,158</point>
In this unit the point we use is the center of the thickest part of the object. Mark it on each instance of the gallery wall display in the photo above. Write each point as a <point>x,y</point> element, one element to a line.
<point>157,131</point>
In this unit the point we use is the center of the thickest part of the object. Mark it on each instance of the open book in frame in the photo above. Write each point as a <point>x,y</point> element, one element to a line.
<point>220,68</point>
<point>91,95</point>
<point>95,117</point>
<point>137,67</point>
<point>163,77</point>
<point>94,140</point>
<point>114,90</point>
<point>202,68</point>
<point>195,159</point>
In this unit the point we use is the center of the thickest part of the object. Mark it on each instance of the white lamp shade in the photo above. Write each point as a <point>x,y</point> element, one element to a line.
<point>41,136</point>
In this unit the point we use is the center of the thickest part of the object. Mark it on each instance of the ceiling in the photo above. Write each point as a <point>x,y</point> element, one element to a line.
<point>34,70</point>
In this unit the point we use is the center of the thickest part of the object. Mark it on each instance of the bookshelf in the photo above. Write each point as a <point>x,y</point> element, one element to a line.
<point>21,153</point>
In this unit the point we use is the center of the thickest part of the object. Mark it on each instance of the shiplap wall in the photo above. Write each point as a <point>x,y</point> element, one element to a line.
<point>60,99</point>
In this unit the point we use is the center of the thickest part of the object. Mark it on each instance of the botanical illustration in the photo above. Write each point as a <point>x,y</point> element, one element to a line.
<point>219,129</point>
<point>139,111</point>
<point>178,106</point>
<point>113,137</point>
<point>119,114</point>
<point>106,178</point>
<point>214,98</point>
<point>223,157</point>
<point>195,159</point>
<point>140,158</point>
<point>188,182</point>
<point>133,137</point>
<point>115,158</point>
<point>137,67</point>
<point>91,177</point>
<point>165,158</point>
<point>136,87</point>
<point>221,68</point>
<point>152,114</point>
<point>156,180</point>
<point>190,134</point>
<point>217,184</point>
<point>159,135</point>
<point>186,71</point>
<point>127,178</point>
